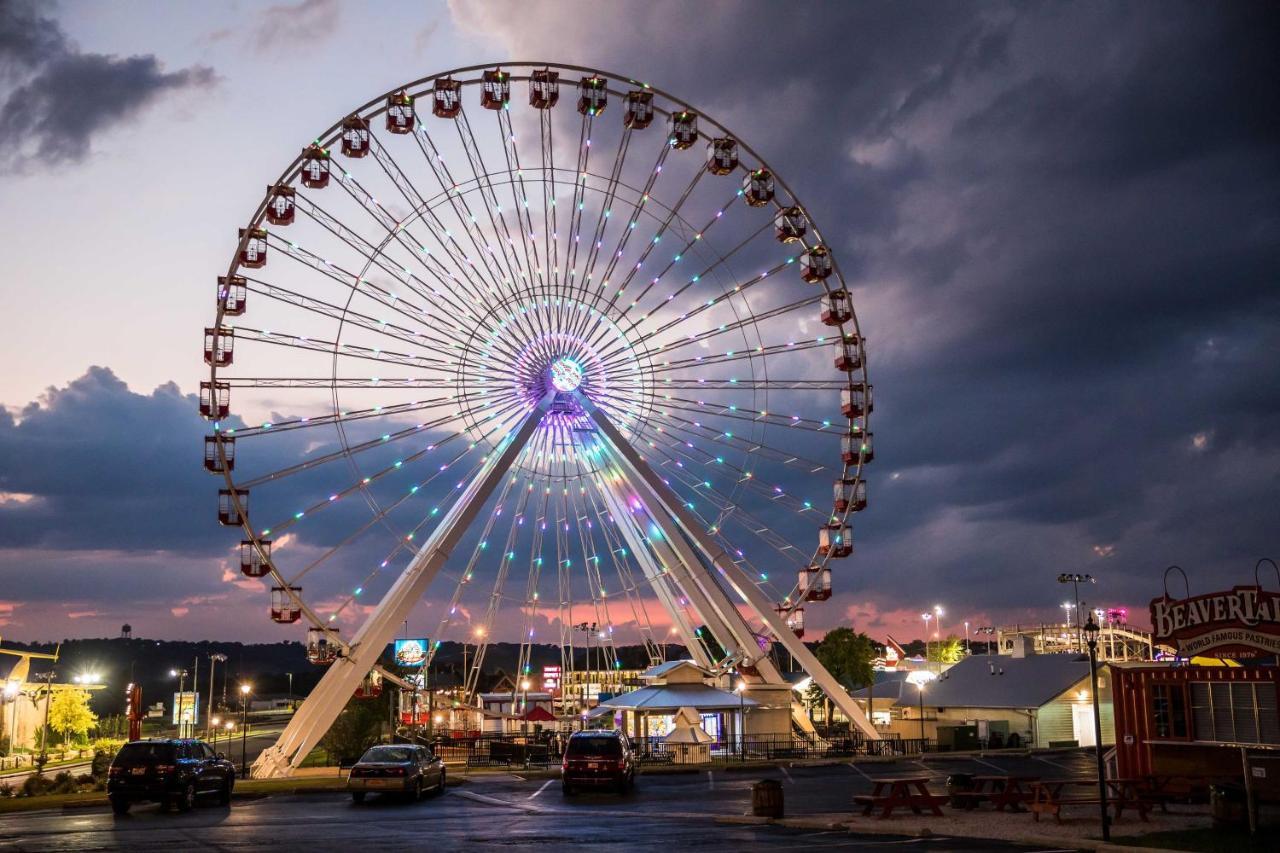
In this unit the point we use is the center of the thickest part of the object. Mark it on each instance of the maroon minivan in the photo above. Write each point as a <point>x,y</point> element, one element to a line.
<point>598,759</point>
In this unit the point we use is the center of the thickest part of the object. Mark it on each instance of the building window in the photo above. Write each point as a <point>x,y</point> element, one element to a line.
<point>1169,711</point>
<point>1236,712</point>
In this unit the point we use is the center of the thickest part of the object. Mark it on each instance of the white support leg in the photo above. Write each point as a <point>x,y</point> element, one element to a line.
<point>314,717</point>
<point>642,473</point>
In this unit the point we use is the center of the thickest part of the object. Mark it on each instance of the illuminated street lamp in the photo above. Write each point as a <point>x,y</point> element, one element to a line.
<point>214,724</point>
<point>1091,631</point>
<point>920,678</point>
<point>245,690</point>
<point>926,617</point>
<point>1075,580</point>
<point>181,675</point>
<point>741,690</point>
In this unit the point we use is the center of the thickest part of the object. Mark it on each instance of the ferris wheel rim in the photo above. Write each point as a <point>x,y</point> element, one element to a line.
<point>377,106</point>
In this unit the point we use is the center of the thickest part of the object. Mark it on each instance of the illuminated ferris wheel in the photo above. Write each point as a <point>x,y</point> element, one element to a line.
<point>529,359</point>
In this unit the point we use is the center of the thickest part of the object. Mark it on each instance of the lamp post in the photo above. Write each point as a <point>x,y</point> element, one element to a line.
<point>937,632</point>
<point>214,723</point>
<point>1091,635</point>
<point>215,658</point>
<point>44,729</point>
<point>966,638</point>
<point>181,675</point>
<point>926,617</point>
<point>245,690</point>
<point>921,677</point>
<point>741,690</point>
<point>1075,580</point>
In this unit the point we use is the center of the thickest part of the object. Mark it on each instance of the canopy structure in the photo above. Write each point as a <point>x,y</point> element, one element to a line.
<point>688,729</point>
<point>539,714</point>
<point>675,697</point>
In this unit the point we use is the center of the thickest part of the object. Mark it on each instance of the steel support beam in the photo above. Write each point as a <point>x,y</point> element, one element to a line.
<point>642,474</point>
<point>314,717</point>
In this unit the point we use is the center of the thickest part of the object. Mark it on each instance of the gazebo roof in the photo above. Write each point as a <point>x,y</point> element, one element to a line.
<point>673,697</point>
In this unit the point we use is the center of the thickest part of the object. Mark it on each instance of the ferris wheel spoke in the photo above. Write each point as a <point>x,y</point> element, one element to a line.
<point>290,424</point>
<point>746,414</point>
<point>520,199</point>
<point>492,204</point>
<point>757,352</point>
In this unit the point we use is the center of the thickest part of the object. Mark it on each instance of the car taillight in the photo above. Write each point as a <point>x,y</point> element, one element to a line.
<point>622,764</point>
<point>564,764</point>
<point>396,771</point>
<point>164,768</point>
<point>115,771</point>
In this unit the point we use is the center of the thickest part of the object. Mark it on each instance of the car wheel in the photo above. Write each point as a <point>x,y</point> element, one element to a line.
<point>224,793</point>
<point>120,805</point>
<point>187,799</point>
<point>357,797</point>
<point>440,788</point>
<point>416,794</point>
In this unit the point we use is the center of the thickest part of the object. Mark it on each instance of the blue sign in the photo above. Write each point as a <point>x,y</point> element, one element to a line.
<point>411,652</point>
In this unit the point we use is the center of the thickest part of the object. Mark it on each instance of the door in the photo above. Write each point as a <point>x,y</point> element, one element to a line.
<point>1082,724</point>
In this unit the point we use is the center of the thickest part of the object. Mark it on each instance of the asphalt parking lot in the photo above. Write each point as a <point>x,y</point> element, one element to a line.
<point>510,812</point>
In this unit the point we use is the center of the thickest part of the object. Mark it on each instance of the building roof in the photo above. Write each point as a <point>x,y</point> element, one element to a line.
<point>662,670</point>
<point>888,685</point>
<point>1026,682</point>
<point>673,697</point>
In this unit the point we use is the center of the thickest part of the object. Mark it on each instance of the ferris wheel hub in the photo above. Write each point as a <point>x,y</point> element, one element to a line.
<point>566,374</point>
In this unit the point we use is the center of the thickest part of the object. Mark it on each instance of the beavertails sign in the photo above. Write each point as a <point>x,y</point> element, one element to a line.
<point>1244,622</point>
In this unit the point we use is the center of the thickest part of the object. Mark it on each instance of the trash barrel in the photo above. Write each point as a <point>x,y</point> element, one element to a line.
<point>1227,804</point>
<point>766,798</point>
<point>960,783</point>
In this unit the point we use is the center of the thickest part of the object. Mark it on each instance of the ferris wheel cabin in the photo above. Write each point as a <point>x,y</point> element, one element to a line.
<point>637,110</point>
<point>280,206</point>
<point>355,136</point>
<point>252,562</point>
<point>794,619</point>
<point>855,446</point>
<point>322,646</point>
<point>215,462</point>
<point>758,187</point>
<point>814,583</point>
<point>855,401</point>
<point>219,346</point>
<point>254,252</point>
<point>446,98</point>
<point>850,495</point>
<point>835,540</point>
<point>495,90</point>
<point>400,113</point>
<point>837,308</point>
<point>232,293</point>
<point>215,400</point>
<point>789,225</point>
<point>315,167</point>
<point>850,357</point>
<point>370,686</point>
<point>816,265</point>
<point>722,155</point>
<point>284,609</point>
<point>227,515</point>
<point>684,130</point>
<point>544,89</point>
<point>593,95</point>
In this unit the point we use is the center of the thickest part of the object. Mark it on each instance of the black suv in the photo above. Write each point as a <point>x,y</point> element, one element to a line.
<point>169,772</point>
<point>599,758</point>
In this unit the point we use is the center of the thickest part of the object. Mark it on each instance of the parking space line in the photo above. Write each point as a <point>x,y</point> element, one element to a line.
<point>785,773</point>
<point>711,781</point>
<point>858,769</point>
<point>1054,763</point>
<point>543,788</point>
<point>989,764</point>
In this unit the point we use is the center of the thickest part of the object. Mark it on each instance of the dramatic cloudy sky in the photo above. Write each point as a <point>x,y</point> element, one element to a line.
<point>1061,223</point>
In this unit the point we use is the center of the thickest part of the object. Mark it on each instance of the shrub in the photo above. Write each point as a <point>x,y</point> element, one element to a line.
<point>6,790</point>
<point>35,785</point>
<point>64,783</point>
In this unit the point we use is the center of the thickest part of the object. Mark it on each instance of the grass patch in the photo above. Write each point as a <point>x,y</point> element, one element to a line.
<point>49,801</point>
<point>1206,840</point>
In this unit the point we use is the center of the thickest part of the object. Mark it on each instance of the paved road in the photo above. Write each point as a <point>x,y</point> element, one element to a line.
<point>508,812</point>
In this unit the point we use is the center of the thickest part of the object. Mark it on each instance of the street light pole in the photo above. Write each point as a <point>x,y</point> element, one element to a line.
<point>244,729</point>
<point>921,677</point>
<point>215,658</point>
<point>1091,633</point>
<point>1075,580</point>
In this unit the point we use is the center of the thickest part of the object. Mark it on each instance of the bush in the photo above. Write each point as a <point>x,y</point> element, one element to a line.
<point>64,783</point>
<point>6,790</point>
<point>104,750</point>
<point>35,785</point>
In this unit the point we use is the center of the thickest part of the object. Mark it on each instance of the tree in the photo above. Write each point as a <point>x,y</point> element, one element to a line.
<point>357,728</point>
<point>949,650</point>
<point>848,656</point>
<point>813,698</point>
<point>69,713</point>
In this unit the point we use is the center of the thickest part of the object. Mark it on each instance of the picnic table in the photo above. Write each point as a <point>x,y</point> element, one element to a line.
<point>1129,793</point>
<point>896,793</point>
<point>1003,792</point>
<point>1048,797</point>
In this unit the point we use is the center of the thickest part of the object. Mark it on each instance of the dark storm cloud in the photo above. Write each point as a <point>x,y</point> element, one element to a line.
<point>1062,225</point>
<point>59,98</point>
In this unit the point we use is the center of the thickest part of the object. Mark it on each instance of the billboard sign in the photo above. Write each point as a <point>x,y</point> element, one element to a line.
<point>1242,622</point>
<point>188,706</point>
<point>551,679</point>
<point>411,652</point>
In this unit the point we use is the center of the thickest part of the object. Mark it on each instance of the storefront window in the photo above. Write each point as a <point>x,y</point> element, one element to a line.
<point>1239,712</point>
<point>1169,711</point>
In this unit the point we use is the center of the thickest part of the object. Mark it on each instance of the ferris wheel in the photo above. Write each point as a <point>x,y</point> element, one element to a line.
<point>521,345</point>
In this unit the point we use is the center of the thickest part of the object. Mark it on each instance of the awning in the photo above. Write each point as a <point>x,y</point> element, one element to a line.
<point>539,714</point>
<point>673,697</point>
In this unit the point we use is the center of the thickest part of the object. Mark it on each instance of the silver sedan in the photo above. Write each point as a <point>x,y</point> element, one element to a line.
<point>403,769</point>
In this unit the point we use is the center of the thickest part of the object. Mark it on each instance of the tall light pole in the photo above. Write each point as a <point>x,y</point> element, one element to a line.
<point>1091,635</point>
<point>937,632</point>
<point>926,617</point>
<point>741,690</point>
<point>966,638</point>
<point>245,690</point>
<point>212,724</point>
<point>921,677</point>
<point>215,658</point>
<point>181,675</point>
<point>1075,580</point>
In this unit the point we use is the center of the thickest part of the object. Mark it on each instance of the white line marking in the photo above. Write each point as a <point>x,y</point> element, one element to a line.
<point>711,781</point>
<point>989,764</point>
<point>785,773</point>
<point>858,769</point>
<point>1054,763</point>
<point>543,788</point>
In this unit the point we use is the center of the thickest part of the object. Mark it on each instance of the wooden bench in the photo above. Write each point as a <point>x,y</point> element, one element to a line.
<point>1047,797</point>
<point>896,793</point>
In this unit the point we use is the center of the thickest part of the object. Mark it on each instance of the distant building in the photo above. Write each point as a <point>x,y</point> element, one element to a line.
<point>1036,700</point>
